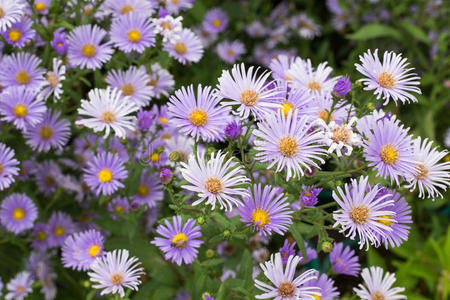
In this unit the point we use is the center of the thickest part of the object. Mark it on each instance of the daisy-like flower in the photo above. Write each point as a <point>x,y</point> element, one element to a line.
<point>115,271</point>
<point>328,291</point>
<point>285,286</point>
<point>133,83</point>
<point>267,210</point>
<point>390,78</point>
<point>308,197</point>
<point>161,81</point>
<point>104,172</point>
<point>133,32</point>
<point>19,106</point>
<point>206,37</point>
<point>316,81</point>
<point>431,175</point>
<point>169,27</point>
<point>280,65</point>
<point>340,138</point>
<point>40,236</point>
<point>11,11</point>
<point>81,249</point>
<point>306,27</point>
<point>48,176</point>
<point>119,204</point>
<point>181,145</point>
<point>22,69</point>
<point>230,52</point>
<point>199,115</point>
<point>149,190</point>
<point>378,285</point>
<point>389,150</point>
<point>287,250</point>
<point>321,108</point>
<point>248,90</point>
<point>186,48</point>
<point>20,32</point>
<point>215,180</point>
<point>344,260</point>
<point>215,21</point>
<point>54,81</point>
<point>289,143</point>
<point>8,166</point>
<point>60,226</point>
<point>59,42</point>
<point>293,99</point>
<point>362,213</point>
<point>176,6</point>
<point>256,29</point>
<point>52,132</point>
<point>120,8</point>
<point>108,110</point>
<point>86,49</point>
<point>18,213</point>
<point>20,286</point>
<point>179,243</point>
<point>41,6</point>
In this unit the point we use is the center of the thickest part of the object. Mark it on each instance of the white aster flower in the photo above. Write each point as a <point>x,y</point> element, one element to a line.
<point>54,81</point>
<point>379,287</point>
<point>169,28</point>
<point>340,138</point>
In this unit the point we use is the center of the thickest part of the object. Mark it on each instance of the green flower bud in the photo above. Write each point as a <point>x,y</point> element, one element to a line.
<point>209,253</point>
<point>371,106</point>
<point>327,247</point>
<point>201,220</point>
<point>226,233</point>
<point>174,156</point>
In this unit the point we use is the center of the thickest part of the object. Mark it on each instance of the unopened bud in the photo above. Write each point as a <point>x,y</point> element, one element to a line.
<point>201,220</point>
<point>209,253</point>
<point>174,156</point>
<point>327,247</point>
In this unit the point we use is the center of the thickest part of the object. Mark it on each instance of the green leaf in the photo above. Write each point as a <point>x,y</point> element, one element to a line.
<point>298,238</point>
<point>246,269</point>
<point>415,32</point>
<point>372,31</point>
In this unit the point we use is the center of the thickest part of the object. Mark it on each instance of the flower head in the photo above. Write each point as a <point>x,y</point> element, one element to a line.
<point>20,286</point>
<point>342,87</point>
<point>59,42</point>
<point>328,291</point>
<point>81,249</point>
<point>149,190</point>
<point>287,250</point>
<point>60,226</point>
<point>215,21</point>
<point>308,197</point>
<point>378,285</point>
<point>22,69</point>
<point>344,260</point>
<point>230,52</point>
<point>186,48</point>
<point>11,12</point>
<point>18,213</point>
<point>8,166</point>
<point>340,137</point>
<point>20,32</point>
<point>161,81</point>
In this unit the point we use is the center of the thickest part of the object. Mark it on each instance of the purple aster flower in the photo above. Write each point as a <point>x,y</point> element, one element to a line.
<point>81,249</point>
<point>379,285</point>
<point>321,107</point>
<point>20,32</point>
<point>114,271</point>
<point>41,6</point>
<point>233,129</point>
<point>267,210</point>
<point>20,286</point>
<point>48,176</point>
<point>280,64</point>
<point>344,260</point>
<point>342,87</point>
<point>40,236</point>
<point>20,107</point>
<point>18,213</point>
<point>390,78</point>
<point>22,69</point>
<point>310,254</point>
<point>388,149</point>
<point>161,81</point>
<point>362,213</point>
<point>199,115</point>
<point>52,132</point>
<point>165,175</point>
<point>59,42</point>
<point>133,32</point>
<point>85,47</point>
<point>308,197</point>
<point>207,296</point>
<point>12,12</point>
<point>154,153</point>
<point>293,99</point>
<point>175,7</point>
<point>8,166</point>
<point>289,142</point>
<point>144,119</point>
<point>119,204</point>
<point>326,285</point>
<point>287,250</point>
<point>179,243</point>
<point>215,21</point>
<point>284,285</point>
<point>60,226</point>
<point>248,90</point>
<point>230,52</point>
<point>132,83</point>
<point>104,172</point>
<point>120,8</point>
<point>186,48</point>
<point>149,190</point>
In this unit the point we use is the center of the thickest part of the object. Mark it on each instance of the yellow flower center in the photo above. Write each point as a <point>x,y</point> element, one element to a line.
<point>134,35</point>
<point>107,117</point>
<point>153,81</point>
<point>307,193</point>
<point>179,240</point>
<point>127,89</point>
<point>260,217</point>
<point>105,175</point>
<point>143,190</point>
<point>116,279</point>
<point>389,154</point>
<point>422,172</point>
<point>213,185</point>
<point>198,117</point>
<point>14,35</point>
<point>317,297</point>
<point>20,289</point>
<point>377,295</point>
<point>286,108</point>
<point>52,79</point>
<point>340,134</point>
<point>314,86</point>
<point>230,52</point>
<point>288,146</point>
<point>386,80</point>
<point>18,213</point>
<point>46,132</point>
<point>88,50</point>
<point>249,97</point>
<point>286,289</point>
<point>40,6</point>
<point>59,230</point>
<point>154,157</point>
<point>385,222</point>
<point>287,78</point>
<point>94,250</point>
<point>49,180</point>
<point>22,77</point>
<point>41,236</point>
<point>166,25</point>
<point>324,115</point>
<point>2,12</point>
<point>120,209</point>
<point>126,9</point>
<point>359,214</point>
<point>216,23</point>
<point>180,48</point>
<point>162,120</point>
<point>20,110</point>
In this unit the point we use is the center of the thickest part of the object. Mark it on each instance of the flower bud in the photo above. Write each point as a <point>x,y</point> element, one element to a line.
<point>165,175</point>
<point>201,220</point>
<point>342,87</point>
<point>233,130</point>
<point>370,106</point>
<point>174,156</point>
<point>327,247</point>
<point>226,233</point>
<point>209,253</point>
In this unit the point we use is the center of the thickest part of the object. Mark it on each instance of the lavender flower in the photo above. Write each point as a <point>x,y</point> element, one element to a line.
<point>20,286</point>
<point>233,129</point>
<point>308,197</point>
<point>344,260</point>
<point>342,87</point>
<point>20,32</point>
<point>287,250</point>
<point>379,285</point>
<point>59,42</point>
<point>18,213</point>
<point>81,249</point>
<point>215,21</point>
<point>8,166</point>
